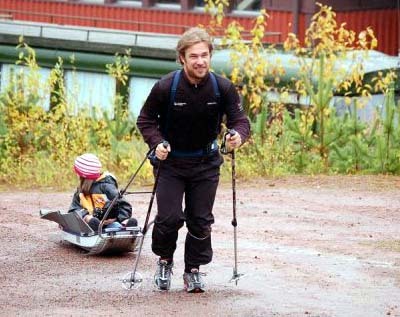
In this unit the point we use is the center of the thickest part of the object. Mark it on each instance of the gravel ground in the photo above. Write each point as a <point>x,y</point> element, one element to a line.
<point>308,246</point>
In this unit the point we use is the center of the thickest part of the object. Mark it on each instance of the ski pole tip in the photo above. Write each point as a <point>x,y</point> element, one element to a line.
<point>236,277</point>
<point>132,281</point>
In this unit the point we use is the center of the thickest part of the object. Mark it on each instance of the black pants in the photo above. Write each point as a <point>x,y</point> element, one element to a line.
<point>196,181</point>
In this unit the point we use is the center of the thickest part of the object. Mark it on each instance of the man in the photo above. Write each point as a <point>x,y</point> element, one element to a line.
<point>186,109</point>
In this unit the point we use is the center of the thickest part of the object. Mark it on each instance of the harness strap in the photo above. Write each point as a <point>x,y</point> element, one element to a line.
<point>215,86</point>
<point>174,86</point>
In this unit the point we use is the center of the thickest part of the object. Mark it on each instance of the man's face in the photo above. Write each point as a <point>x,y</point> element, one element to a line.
<point>196,61</point>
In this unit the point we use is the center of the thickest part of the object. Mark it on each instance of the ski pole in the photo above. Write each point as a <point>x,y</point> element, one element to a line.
<point>236,276</point>
<point>224,150</point>
<point>133,279</point>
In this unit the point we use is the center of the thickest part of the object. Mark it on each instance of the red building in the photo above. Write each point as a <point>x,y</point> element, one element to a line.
<point>173,16</point>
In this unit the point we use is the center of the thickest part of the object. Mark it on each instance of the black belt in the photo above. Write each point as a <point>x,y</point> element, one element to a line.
<point>207,150</point>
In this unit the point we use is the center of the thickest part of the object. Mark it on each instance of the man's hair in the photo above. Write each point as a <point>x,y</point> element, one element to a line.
<point>190,37</point>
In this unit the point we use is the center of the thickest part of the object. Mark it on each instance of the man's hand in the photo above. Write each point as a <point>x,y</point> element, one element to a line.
<point>162,151</point>
<point>233,140</point>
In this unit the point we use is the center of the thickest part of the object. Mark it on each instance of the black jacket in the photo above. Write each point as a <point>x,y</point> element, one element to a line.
<point>102,192</point>
<point>194,119</point>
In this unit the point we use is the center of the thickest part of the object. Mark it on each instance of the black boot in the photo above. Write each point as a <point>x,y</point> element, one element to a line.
<point>94,224</point>
<point>132,222</point>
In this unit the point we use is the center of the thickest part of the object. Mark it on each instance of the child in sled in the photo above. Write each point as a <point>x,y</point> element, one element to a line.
<point>94,194</point>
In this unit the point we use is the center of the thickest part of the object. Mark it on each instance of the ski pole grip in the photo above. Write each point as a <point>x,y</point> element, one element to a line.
<point>152,156</point>
<point>232,132</point>
<point>224,149</point>
<point>165,144</point>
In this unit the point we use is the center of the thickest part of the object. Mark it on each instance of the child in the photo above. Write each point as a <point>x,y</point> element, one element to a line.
<point>94,194</point>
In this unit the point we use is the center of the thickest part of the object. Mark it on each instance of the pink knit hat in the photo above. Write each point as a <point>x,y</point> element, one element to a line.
<point>88,166</point>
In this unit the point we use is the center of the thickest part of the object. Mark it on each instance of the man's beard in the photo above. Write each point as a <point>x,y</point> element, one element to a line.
<point>192,73</point>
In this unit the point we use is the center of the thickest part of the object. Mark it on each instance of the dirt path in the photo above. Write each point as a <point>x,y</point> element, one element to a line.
<point>315,246</point>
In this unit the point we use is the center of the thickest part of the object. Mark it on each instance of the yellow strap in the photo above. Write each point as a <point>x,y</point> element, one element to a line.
<point>99,201</point>
<point>86,203</point>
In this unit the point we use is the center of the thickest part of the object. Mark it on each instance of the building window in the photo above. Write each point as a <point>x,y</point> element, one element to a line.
<point>139,89</point>
<point>33,84</point>
<point>90,91</point>
<point>247,5</point>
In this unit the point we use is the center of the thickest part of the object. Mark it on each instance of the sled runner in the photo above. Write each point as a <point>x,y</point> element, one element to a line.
<point>76,231</point>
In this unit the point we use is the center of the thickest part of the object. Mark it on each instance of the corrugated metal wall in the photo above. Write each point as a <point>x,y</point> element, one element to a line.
<point>384,22</point>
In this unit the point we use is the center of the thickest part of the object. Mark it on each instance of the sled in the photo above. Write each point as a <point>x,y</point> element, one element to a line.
<point>76,231</point>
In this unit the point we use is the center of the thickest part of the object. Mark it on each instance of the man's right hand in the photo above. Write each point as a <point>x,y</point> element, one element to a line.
<point>162,151</point>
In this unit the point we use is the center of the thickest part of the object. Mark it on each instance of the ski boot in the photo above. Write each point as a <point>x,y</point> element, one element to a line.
<point>162,277</point>
<point>193,282</point>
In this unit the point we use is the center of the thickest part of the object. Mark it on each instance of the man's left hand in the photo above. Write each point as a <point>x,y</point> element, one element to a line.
<point>233,141</point>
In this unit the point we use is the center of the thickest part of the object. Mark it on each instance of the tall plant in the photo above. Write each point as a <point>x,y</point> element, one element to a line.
<point>352,150</point>
<point>33,139</point>
<point>299,129</point>
<point>250,67</point>
<point>323,70</point>
<point>387,142</point>
<point>120,124</point>
<point>216,10</point>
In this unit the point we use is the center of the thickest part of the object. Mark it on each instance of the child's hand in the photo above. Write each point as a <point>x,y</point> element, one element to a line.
<point>108,221</point>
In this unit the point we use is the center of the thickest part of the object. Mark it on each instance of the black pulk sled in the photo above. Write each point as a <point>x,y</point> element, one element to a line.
<point>236,276</point>
<point>76,231</point>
